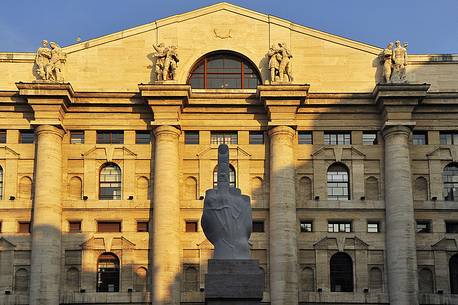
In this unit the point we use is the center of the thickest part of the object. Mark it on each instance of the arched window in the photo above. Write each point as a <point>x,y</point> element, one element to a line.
<point>450,177</point>
<point>1,183</point>
<point>73,280</point>
<point>371,188</point>
<point>21,281</point>
<point>308,279</point>
<point>25,188</point>
<point>224,70</point>
<point>425,281</point>
<point>231,176</point>
<point>108,273</point>
<point>110,182</point>
<point>191,279</point>
<point>338,182</point>
<point>420,189</point>
<point>75,188</point>
<point>190,188</point>
<point>303,191</point>
<point>341,273</point>
<point>453,272</point>
<point>375,279</point>
<point>141,279</point>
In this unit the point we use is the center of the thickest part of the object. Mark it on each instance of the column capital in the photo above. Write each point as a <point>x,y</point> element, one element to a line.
<point>49,101</point>
<point>390,128</point>
<point>282,130</point>
<point>41,129</point>
<point>166,101</point>
<point>282,101</point>
<point>166,130</point>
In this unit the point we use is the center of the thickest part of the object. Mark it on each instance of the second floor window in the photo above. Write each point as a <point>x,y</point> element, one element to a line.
<point>2,136</point>
<point>370,138</point>
<point>419,138</point>
<point>77,137</point>
<point>338,182</point>
<point>339,226</point>
<point>256,137</point>
<point>224,137</point>
<point>449,138</point>
<point>304,137</point>
<point>450,178</point>
<point>143,137</point>
<point>191,137</point>
<point>337,138</point>
<point>110,182</point>
<point>26,137</point>
<point>110,137</point>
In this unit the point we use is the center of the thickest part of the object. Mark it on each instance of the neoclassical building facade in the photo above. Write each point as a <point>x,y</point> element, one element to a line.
<point>105,160</point>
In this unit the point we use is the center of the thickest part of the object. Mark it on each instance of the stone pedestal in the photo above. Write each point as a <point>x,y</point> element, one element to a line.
<point>166,214</point>
<point>233,282</point>
<point>47,218</point>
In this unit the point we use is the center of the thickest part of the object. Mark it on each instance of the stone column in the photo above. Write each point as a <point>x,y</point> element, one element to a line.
<point>47,214</point>
<point>166,263</point>
<point>283,227</point>
<point>401,255</point>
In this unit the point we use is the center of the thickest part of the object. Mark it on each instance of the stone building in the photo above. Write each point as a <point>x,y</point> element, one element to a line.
<point>103,166</point>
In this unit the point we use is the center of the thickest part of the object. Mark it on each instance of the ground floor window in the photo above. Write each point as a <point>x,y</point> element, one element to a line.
<point>108,273</point>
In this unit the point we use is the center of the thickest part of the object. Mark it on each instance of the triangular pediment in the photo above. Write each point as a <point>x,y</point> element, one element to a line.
<point>341,244</point>
<point>443,153</point>
<point>338,153</point>
<point>445,244</point>
<point>8,153</point>
<point>6,245</point>
<point>235,153</point>
<point>109,153</point>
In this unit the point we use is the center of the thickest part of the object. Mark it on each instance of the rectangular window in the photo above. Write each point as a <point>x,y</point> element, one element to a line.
<point>108,226</point>
<point>256,137</point>
<point>77,137</point>
<point>419,138</point>
<point>142,226</point>
<point>2,136</point>
<point>341,226</point>
<point>449,138</point>
<point>226,137</point>
<point>423,226</point>
<point>143,137</point>
<point>451,227</point>
<point>370,138</point>
<point>24,227</point>
<point>337,138</point>
<point>373,227</point>
<point>306,226</point>
<point>0,227</point>
<point>110,137</point>
<point>191,137</point>
<point>26,136</point>
<point>74,226</point>
<point>304,137</point>
<point>191,226</point>
<point>258,226</point>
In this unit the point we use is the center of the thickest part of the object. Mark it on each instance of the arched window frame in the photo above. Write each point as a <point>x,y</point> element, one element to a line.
<point>248,76</point>
<point>341,272</point>
<point>105,277</point>
<point>338,182</point>
<point>232,176</point>
<point>450,182</point>
<point>104,182</point>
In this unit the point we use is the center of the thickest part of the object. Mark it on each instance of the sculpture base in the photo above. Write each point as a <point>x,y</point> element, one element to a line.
<point>234,282</point>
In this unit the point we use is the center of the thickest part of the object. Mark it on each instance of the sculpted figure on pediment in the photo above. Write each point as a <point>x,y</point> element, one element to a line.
<point>394,62</point>
<point>49,60</point>
<point>280,63</point>
<point>166,62</point>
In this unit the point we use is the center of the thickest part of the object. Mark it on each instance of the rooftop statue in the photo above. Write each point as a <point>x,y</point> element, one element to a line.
<point>394,63</point>
<point>49,62</point>
<point>166,61</point>
<point>226,219</point>
<point>280,63</point>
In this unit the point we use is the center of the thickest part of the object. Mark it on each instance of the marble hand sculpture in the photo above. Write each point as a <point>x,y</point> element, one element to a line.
<point>226,219</point>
